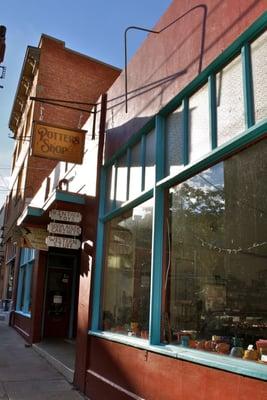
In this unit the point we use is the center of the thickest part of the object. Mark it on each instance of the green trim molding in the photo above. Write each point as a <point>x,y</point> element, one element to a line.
<point>225,363</point>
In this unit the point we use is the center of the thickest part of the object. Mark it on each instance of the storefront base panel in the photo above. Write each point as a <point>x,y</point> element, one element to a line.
<point>23,326</point>
<point>120,372</point>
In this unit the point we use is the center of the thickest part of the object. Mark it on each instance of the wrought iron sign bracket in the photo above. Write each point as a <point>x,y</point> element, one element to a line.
<point>139,28</point>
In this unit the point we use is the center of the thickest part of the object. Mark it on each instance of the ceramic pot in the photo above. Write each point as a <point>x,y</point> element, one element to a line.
<point>192,344</point>
<point>251,355</point>
<point>237,352</point>
<point>201,345</point>
<point>209,345</point>
<point>222,348</point>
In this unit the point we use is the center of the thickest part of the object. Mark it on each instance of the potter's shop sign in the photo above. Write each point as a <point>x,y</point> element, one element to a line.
<point>66,216</point>
<point>64,229</point>
<point>63,242</point>
<point>58,143</point>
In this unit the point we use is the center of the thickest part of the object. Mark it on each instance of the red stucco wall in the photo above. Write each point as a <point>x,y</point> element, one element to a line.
<point>173,59</point>
<point>115,368</point>
<point>23,325</point>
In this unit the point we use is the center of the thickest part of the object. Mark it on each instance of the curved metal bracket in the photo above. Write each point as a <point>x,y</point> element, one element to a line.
<point>139,28</point>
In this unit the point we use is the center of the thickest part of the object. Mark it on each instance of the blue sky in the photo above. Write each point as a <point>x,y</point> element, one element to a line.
<point>91,27</point>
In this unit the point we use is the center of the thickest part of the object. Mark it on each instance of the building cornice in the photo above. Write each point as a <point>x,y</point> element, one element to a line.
<point>30,64</point>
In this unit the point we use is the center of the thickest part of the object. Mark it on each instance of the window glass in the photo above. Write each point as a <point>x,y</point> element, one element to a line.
<point>199,136</point>
<point>27,254</point>
<point>31,289</point>
<point>215,280</point>
<point>135,171</point>
<point>230,101</point>
<point>24,291</point>
<point>150,159</point>
<point>127,272</point>
<point>174,142</point>
<point>10,279</point>
<point>111,187</point>
<point>121,187</point>
<point>22,277</point>
<point>259,73</point>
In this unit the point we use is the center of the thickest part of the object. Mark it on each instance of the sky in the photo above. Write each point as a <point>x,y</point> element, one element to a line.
<point>94,28</point>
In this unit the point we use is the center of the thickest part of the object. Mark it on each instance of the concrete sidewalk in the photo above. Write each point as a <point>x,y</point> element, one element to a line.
<point>25,375</point>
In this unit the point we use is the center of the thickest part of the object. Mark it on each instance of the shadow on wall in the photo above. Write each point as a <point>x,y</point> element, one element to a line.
<point>116,104</point>
<point>156,87</point>
<point>117,136</point>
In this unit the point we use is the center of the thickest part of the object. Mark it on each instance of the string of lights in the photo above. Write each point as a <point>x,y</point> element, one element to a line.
<point>211,246</point>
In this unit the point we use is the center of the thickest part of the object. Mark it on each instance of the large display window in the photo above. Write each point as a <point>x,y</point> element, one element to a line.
<point>127,272</point>
<point>216,271</point>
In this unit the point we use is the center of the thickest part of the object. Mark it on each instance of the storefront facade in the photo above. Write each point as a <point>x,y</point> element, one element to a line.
<point>166,296</point>
<point>42,279</point>
<point>179,294</point>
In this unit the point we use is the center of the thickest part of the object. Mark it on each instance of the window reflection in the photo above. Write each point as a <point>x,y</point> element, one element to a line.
<point>150,160</point>
<point>111,175</point>
<point>121,187</point>
<point>135,171</point>
<point>127,272</point>
<point>216,275</point>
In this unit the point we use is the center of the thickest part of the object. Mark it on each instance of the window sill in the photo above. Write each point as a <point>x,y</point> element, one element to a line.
<point>226,363</point>
<point>27,315</point>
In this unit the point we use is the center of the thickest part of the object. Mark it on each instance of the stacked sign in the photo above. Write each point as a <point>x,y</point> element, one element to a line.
<point>63,228</point>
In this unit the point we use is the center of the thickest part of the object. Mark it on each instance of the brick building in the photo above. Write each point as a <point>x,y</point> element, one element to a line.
<point>50,72</point>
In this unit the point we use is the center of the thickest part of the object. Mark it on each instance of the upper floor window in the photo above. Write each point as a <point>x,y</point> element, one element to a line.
<point>259,75</point>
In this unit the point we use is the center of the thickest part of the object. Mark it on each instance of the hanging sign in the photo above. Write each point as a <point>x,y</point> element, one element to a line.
<point>58,143</point>
<point>66,216</point>
<point>63,242</point>
<point>64,229</point>
<point>35,237</point>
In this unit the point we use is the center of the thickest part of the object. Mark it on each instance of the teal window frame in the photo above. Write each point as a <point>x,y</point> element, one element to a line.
<point>252,133</point>
<point>27,257</point>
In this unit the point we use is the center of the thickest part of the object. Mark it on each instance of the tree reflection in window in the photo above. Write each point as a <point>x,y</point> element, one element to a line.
<point>215,275</point>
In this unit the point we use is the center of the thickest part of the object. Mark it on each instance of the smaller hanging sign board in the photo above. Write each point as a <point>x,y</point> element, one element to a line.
<point>68,228</point>
<point>64,229</point>
<point>63,242</point>
<point>66,216</point>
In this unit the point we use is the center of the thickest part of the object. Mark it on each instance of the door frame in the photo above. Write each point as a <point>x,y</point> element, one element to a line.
<point>74,271</point>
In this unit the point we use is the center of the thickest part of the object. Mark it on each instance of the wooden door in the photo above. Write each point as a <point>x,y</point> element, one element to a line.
<point>58,302</point>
